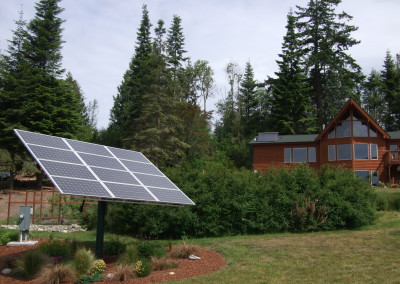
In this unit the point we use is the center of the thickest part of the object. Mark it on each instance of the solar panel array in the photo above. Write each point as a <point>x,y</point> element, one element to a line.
<point>97,171</point>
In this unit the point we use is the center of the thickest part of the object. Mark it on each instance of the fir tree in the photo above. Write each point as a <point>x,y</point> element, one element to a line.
<point>290,100</point>
<point>333,74</point>
<point>128,102</point>
<point>249,102</point>
<point>373,97</point>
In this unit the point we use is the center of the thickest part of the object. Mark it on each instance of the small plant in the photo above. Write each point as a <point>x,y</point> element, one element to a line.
<point>86,279</point>
<point>161,263</point>
<point>130,255</point>
<point>99,267</point>
<point>7,236</point>
<point>56,260</point>
<point>114,246</point>
<point>183,251</point>
<point>55,274</point>
<point>142,268</point>
<point>123,272</point>
<point>31,263</point>
<point>55,247</point>
<point>83,261</point>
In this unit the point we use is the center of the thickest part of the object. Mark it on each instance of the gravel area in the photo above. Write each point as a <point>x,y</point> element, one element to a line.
<point>210,262</point>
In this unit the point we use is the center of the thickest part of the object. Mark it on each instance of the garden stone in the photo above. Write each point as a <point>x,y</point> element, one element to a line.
<point>6,271</point>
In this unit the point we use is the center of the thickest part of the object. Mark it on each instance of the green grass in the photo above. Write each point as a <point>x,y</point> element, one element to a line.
<point>367,255</point>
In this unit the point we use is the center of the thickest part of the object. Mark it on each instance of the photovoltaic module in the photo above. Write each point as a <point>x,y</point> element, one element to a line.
<point>101,172</point>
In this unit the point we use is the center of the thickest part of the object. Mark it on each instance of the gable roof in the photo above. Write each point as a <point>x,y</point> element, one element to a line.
<point>352,103</point>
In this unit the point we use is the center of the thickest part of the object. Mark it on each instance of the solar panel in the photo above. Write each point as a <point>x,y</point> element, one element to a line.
<point>101,172</point>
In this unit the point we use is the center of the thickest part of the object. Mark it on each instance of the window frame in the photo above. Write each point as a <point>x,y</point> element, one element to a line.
<point>350,154</point>
<point>314,156</point>
<point>377,151</point>
<point>285,155</point>
<point>334,153</point>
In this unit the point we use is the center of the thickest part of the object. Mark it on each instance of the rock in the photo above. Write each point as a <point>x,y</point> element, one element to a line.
<point>171,273</point>
<point>194,257</point>
<point>110,275</point>
<point>6,271</point>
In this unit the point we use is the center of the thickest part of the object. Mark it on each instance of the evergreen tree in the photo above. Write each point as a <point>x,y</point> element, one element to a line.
<point>373,97</point>
<point>391,91</point>
<point>333,74</point>
<point>128,102</point>
<point>250,103</point>
<point>290,101</point>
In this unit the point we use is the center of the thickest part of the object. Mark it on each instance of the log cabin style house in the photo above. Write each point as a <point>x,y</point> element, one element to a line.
<point>351,139</point>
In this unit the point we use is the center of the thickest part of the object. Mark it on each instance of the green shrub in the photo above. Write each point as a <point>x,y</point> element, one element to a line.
<point>147,249</point>
<point>83,261</point>
<point>86,279</point>
<point>142,268</point>
<point>55,247</point>
<point>31,263</point>
<point>114,246</point>
<point>7,236</point>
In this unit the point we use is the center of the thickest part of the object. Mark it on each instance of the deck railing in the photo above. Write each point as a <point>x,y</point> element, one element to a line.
<point>392,157</point>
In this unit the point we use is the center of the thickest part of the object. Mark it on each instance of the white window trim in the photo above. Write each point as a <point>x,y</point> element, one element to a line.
<point>308,154</point>
<point>290,156</point>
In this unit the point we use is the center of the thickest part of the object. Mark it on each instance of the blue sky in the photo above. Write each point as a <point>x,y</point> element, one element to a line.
<point>100,36</point>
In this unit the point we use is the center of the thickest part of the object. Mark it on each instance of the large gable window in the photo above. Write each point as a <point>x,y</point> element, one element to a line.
<point>352,124</point>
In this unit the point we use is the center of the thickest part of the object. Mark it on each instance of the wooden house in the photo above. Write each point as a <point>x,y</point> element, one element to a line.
<point>351,139</point>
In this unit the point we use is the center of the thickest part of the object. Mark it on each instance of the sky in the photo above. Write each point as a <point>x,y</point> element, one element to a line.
<point>100,36</point>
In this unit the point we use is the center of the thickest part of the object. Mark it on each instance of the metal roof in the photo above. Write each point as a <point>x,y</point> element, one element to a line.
<point>289,139</point>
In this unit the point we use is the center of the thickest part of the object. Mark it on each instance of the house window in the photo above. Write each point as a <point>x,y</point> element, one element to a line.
<point>362,175</point>
<point>299,155</point>
<point>343,129</point>
<point>312,156</point>
<point>344,152</point>
<point>374,152</point>
<point>374,178</point>
<point>288,155</point>
<point>360,128</point>
<point>361,151</point>
<point>331,133</point>
<point>332,153</point>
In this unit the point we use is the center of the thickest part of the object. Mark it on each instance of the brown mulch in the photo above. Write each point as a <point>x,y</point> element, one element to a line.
<point>210,262</point>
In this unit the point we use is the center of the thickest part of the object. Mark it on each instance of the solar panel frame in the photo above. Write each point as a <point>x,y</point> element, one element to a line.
<point>97,160</point>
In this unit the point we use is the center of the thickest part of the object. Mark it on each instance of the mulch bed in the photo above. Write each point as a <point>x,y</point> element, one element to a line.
<point>210,262</point>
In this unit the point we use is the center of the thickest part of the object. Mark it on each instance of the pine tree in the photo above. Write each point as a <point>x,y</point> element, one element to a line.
<point>391,91</point>
<point>373,97</point>
<point>333,74</point>
<point>250,103</point>
<point>290,101</point>
<point>128,102</point>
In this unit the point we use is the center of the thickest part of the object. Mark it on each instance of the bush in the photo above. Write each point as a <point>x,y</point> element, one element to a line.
<point>31,263</point>
<point>114,246</point>
<point>55,247</point>
<point>7,236</point>
<point>55,274</point>
<point>147,249</point>
<point>83,261</point>
<point>142,268</point>
<point>230,201</point>
<point>99,266</point>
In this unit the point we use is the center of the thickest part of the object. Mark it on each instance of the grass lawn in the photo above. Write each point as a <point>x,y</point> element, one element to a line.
<point>368,255</point>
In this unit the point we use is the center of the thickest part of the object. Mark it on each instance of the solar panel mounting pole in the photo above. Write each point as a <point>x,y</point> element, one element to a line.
<point>101,213</point>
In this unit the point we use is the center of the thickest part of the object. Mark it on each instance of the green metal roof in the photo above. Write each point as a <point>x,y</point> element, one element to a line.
<point>289,139</point>
<point>394,134</point>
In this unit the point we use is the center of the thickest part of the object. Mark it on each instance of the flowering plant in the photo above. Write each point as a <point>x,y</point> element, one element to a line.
<point>99,267</point>
<point>56,260</point>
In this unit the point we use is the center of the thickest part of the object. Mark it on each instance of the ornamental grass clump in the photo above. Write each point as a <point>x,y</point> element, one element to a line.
<point>31,263</point>
<point>130,255</point>
<point>161,263</point>
<point>183,251</point>
<point>83,261</point>
<point>123,272</point>
<point>55,274</point>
